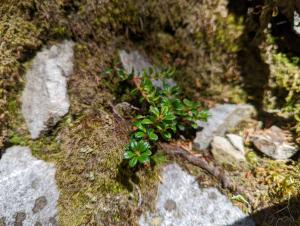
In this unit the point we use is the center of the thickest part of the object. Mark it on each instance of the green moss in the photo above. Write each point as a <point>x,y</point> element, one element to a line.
<point>88,165</point>
<point>87,146</point>
<point>285,85</point>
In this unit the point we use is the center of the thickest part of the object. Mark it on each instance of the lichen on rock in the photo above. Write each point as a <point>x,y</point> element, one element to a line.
<point>28,190</point>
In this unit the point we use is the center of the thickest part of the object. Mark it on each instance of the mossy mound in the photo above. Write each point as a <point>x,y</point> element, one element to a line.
<point>88,162</point>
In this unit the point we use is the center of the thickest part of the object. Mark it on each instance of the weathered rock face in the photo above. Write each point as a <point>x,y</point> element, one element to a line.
<point>224,152</point>
<point>180,201</point>
<point>28,192</point>
<point>135,62</point>
<point>274,143</point>
<point>223,117</point>
<point>45,99</point>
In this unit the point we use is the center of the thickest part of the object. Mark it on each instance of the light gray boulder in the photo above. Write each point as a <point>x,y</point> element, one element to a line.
<point>28,191</point>
<point>135,62</point>
<point>224,152</point>
<point>45,98</point>
<point>273,142</point>
<point>223,117</point>
<point>181,202</point>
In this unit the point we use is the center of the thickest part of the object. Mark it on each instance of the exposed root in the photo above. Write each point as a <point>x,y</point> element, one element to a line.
<point>140,199</point>
<point>216,171</point>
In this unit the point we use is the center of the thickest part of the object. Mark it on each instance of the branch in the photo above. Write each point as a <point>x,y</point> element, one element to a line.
<point>216,171</point>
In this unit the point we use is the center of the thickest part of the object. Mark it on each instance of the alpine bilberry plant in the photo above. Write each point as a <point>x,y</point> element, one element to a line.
<point>167,113</point>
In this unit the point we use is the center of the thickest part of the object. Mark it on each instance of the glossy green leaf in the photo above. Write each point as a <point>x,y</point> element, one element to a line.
<point>146,121</point>
<point>133,162</point>
<point>128,155</point>
<point>144,159</point>
<point>152,136</point>
<point>140,126</point>
<point>133,144</point>
<point>154,110</point>
<point>169,117</point>
<point>167,135</point>
<point>139,134</point>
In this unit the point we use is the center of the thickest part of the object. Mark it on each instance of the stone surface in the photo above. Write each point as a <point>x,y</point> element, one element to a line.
<point>45,99</point>
<point>181,202</point>
<point>135,62</point>
<point>28,191</point>
<point>236,141</point>
<point>223,117</point>
<point>274,143</point>
<point>296,25</point>
<point>224,152</point>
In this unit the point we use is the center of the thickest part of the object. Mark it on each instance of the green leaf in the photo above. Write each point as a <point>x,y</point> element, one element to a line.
<point>170,117</point>
<point>195,125</point>
<point>173,128</point>
<point>133,162</point>
<point>152,136</point>
<point>139,125</point>
<point>167,135</point>
<point>148,152</point>
<point>128,155</point>
<point>146,121</point>
<point>154,110</point>
<point>144,159</point>
<point>159,128</point>
<point>144,145</point>
<point>134,92</point>
<point>133,144</point>
<point>164,110</point>
<point>139,134</point>
<point>203,115</point>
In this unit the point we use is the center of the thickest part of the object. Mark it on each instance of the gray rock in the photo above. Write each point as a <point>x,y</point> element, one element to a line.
<point>274,143</point>
<point>45,99</point>
<point>296,25</point>
<point>223,117</point>
<point>237,142</point>
<point>181,202</point>
<point>224,152</point>
<point>135,62</point>
<point>28,191</point>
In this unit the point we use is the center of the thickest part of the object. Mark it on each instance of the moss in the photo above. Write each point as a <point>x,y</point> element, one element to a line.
<point>26,25</point>
<point>88,165</point>
<point>87,145</point>
<point>284,91</point>
<point>87,152</point>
